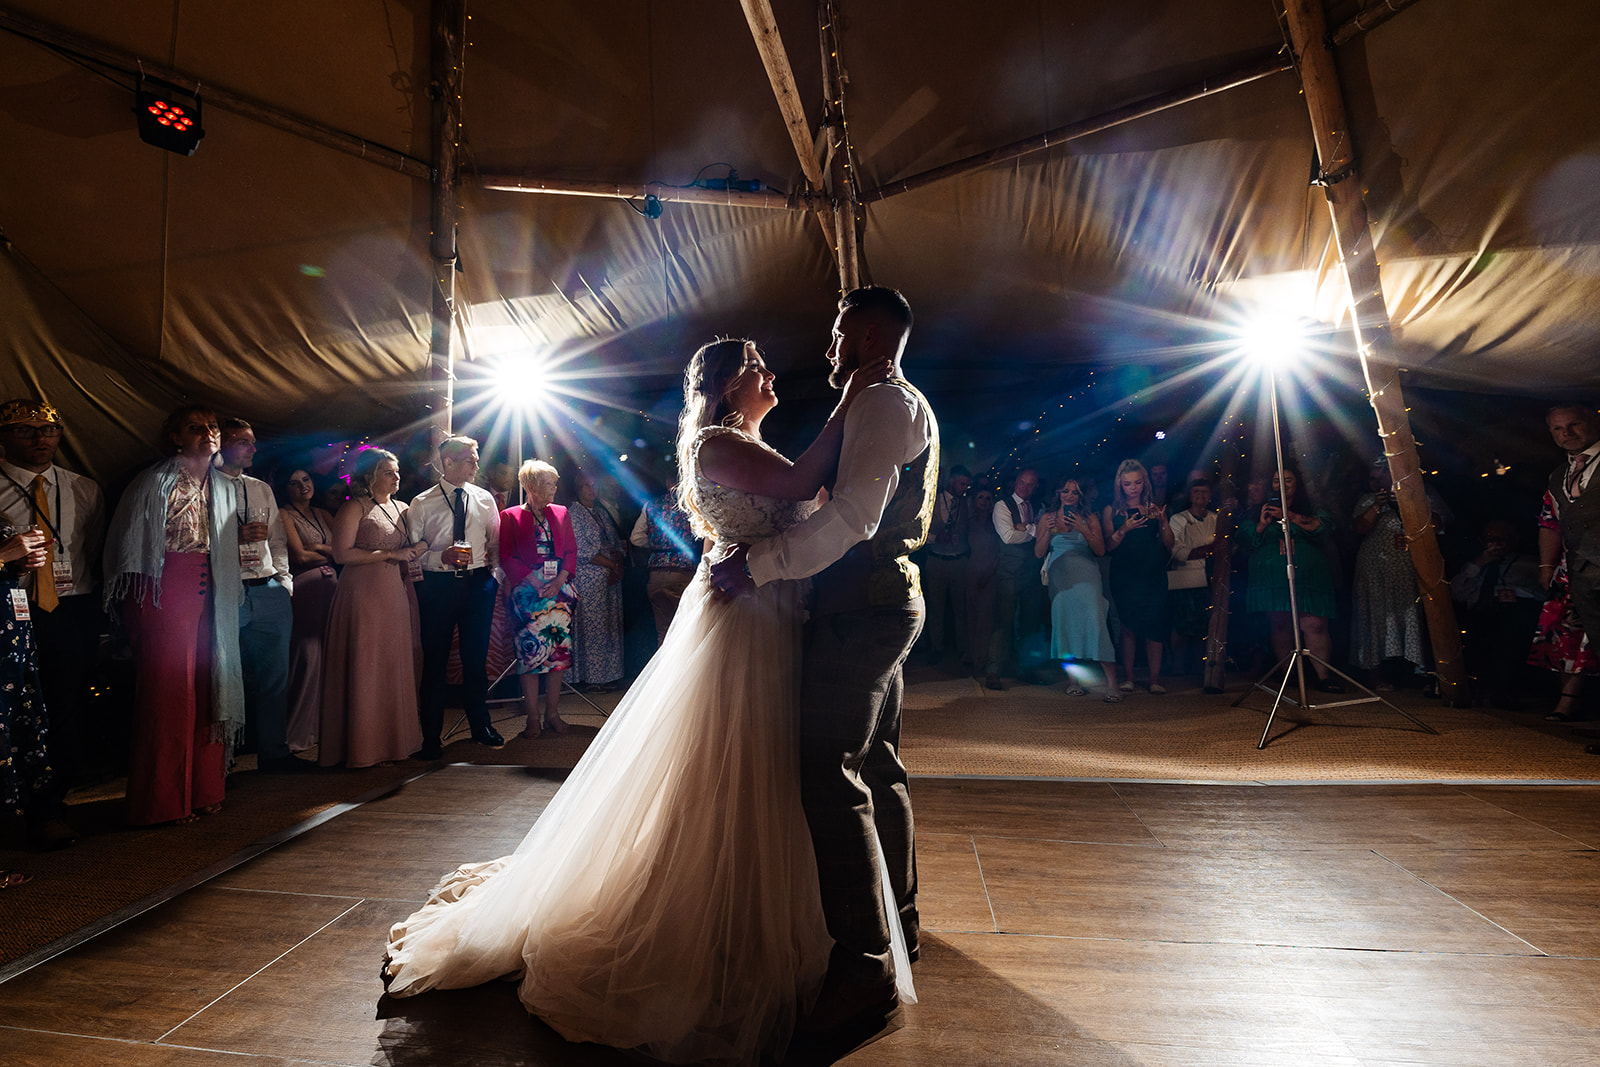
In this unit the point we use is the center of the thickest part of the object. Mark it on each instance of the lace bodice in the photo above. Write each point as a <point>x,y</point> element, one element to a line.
<point>736,515</point>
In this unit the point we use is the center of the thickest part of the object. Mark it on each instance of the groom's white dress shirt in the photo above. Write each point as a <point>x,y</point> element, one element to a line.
<point>885,428</point>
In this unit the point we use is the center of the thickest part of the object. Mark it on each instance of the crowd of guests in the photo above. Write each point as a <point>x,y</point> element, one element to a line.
<point>1053,583</point>
<point>331,613</point>
<point>322,613</point>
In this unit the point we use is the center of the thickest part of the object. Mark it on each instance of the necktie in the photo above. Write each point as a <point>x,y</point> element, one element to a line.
<point>460,511</point>
<point>1027,512</point>
<point>44,579</point>
<point>1575,476</point>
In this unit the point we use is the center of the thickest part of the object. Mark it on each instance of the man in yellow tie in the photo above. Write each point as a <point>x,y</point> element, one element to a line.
<point>64,593</point>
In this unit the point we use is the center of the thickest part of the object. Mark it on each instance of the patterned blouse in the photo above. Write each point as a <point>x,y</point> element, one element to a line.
<point>189,514</point>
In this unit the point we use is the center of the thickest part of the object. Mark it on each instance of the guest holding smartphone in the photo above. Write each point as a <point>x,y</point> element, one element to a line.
<point>1140,543</point>
<point>1070,542</point>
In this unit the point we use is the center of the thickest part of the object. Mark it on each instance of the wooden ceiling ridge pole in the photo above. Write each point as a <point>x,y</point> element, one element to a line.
<point>764,28</point>
<point>841,172</point>
<point>692,194</point>
<point>210,95</point>
<point>1263,66</point>
<point>1374,340</point>
<point>1368,19</point>
<point>447,45</point>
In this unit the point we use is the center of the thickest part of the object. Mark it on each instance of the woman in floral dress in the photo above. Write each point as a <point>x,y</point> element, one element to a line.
<point>540,555</point>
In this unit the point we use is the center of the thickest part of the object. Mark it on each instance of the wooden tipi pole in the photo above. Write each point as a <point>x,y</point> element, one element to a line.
<point>1374,341</point>
<point>775,58</point>
<point>841,174</point>
<point>448,24</point>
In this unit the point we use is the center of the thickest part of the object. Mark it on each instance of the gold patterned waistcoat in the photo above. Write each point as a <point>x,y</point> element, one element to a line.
<point>878,572</point>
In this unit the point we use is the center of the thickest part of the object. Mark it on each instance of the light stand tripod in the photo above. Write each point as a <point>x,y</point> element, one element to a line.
<point>1294,664</point>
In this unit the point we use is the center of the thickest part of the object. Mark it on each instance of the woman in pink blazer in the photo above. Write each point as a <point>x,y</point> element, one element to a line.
<point>540,556</point>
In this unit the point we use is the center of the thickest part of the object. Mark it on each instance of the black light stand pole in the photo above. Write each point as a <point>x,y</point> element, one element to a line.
<point>1294,662</point>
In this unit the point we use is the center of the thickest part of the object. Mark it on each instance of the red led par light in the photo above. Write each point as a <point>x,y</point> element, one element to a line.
<point>169,117</point>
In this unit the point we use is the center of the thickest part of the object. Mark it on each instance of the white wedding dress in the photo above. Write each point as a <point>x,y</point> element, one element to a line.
<point>667,898</point>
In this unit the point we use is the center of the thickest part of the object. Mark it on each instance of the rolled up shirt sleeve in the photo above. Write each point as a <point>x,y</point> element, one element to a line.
<point>1009,534</point>
<point>884,429</point>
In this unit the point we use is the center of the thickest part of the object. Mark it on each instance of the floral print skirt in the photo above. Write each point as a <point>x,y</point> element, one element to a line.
<point>543,636</point>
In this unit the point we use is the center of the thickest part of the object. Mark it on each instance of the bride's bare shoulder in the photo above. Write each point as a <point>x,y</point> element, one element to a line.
<point>735,460</point>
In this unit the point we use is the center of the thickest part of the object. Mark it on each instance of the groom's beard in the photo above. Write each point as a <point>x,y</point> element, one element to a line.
<point>839,377</point>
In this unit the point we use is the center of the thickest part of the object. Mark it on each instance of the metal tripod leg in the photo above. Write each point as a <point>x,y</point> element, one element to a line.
<point>1295,662</point>
<point>566,687</point>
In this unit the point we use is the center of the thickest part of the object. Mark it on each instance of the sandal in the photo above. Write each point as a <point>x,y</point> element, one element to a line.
<point>531,733</point>
<point>557,725</point>
<point>1111,698</point>
<point>10,879</point>
<point>1077,691</point>
<point>1126,687</point>
<point>1158,689</point>
<point>209,809</point>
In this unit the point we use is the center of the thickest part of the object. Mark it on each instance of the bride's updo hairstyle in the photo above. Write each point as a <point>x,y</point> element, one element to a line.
<point>705,403</point>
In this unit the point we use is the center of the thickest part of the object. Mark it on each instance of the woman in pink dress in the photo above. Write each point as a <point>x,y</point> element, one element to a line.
<point>308,530</point>
<point>373,646</point>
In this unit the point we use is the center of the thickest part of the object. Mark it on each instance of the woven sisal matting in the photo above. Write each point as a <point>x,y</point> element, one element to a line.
<point>956,727</point>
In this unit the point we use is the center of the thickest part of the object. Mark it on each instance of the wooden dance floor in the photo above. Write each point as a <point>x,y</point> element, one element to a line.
<point>1070,922</point>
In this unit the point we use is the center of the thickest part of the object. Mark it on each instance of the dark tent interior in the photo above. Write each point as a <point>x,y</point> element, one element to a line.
<point>523,218</point>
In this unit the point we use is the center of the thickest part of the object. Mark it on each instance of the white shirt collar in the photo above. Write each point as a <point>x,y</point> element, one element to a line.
<point>24,477</point>
<point>1572,457</point>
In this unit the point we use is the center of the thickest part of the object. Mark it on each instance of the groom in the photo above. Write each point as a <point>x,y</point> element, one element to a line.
<point>867,614</point>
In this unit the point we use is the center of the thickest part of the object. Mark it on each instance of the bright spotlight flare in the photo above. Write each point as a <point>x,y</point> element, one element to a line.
<point>519,380</point>
<point>1273,340</point>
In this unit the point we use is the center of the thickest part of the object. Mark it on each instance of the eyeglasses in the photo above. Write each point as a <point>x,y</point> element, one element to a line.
<point>29,433</point>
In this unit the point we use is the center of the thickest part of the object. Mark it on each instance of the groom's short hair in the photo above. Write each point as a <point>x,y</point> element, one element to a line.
<point>879,300</point>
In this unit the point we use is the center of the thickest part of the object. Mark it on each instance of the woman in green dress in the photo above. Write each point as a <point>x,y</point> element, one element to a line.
<point>1309,529</point>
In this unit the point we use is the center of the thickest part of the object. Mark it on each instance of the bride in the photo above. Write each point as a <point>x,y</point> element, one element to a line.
<point>667,898</point>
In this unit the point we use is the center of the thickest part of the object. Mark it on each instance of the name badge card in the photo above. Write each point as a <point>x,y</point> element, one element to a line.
<point>62,569</point>
<point>551,569</point>
<point>19,605</point>
<point>414,570</point>
<point>250,555</point>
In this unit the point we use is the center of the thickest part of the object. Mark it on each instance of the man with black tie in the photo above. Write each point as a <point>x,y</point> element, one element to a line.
<point>461,526</point>
<point>64,593</point>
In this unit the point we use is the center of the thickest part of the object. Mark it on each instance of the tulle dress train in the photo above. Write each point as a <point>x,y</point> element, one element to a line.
<point>667,898</point>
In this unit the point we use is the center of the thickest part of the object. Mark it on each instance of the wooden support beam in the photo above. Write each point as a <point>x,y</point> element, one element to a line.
<point>211,95</point>
<point>1264,66</point>
<point>447,45</point>
<point>841,171</point>
<point>1374,341</point>
<point>764,28</point>
<point>770,199</point>
<point>1367,20</point>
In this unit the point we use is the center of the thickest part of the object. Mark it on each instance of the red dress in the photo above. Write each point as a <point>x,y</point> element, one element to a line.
<point>1559,643</point>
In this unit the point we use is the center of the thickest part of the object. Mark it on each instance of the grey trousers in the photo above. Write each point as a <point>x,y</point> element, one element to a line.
<point>852,780</point>
<point>1583,589</point>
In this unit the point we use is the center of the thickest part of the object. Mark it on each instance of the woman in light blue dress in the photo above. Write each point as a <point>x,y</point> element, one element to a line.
<point>1070,541</point>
